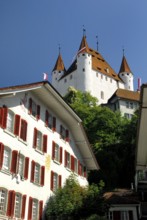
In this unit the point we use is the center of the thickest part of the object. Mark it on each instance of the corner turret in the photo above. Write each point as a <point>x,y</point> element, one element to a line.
<point>126,75</point>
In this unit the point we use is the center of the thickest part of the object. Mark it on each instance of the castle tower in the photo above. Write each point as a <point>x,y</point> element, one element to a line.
<point>126,75</point>
<point>58,70</point>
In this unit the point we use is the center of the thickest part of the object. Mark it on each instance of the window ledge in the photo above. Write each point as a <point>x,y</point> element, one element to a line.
<point>8,132</point>
<point>39,151</point>
<point>5,172</point>
<point>56,161</point>
<point>21,140</point>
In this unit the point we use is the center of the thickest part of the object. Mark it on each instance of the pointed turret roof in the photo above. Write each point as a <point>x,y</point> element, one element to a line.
<point>59,64</point>
<point>124,66</point>
<point>98,62</point>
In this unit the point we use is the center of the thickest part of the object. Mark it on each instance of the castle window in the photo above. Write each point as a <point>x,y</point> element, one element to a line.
<point>102,95</point>
<point>101,76</point>
<point>106,78</point>
<point>83,54</point>
<point>111,80</point>
<point>97,74</point>
<point>70,76</point>
<point>65,80</point>
<point>83,69</point>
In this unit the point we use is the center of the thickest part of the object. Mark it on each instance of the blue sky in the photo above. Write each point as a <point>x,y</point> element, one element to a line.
<point>31,31</point>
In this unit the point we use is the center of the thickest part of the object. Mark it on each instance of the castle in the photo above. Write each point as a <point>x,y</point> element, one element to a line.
<point>90,72</point>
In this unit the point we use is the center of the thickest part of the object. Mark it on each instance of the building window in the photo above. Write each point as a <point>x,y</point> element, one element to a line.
<point>35,209</point>
<point>34,109</point>
<point>67,160</point>
<point>3,201</point>
<point>50,121</point>
<point>55,181</point>
<point>40,141</point>
<point>83,69</point>
<point>65,80</point>
<point>125,215</point>
<point>23,166</point>
<point>75,165</point>
<point>10,121</point>
<point>37,173</point>
<point>17,209</point>
<point>64,133</point>
<point>56,152</point>
<point>129,105</point>
<point>102,95</point>
<point>6,159</point>
<point>128,116</point>
<point>23,130</point>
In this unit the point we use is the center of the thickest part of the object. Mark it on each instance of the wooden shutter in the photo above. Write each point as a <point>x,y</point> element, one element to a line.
<point>38,112</point>
<point>61,149</point>
<point>30,106</point>
<point>3,117</point>
<point>85,172</point>
<point>14,162</point>
<point>32,170</point>
<point>67,135</point>
<point>42,175</point>
<point>40,209</point>
<point>11,203</point>
<point>35,138</point>
<point>23,132</point>
<point>72,163</point>
<point>52,179</point>
<point>54,124</point>
<point>26,168</point>
<point>1,154</point>
<point>45,143</point>
<point>53,150</point>
<point>65,158</point>
<point>16,125</point>
<point>60,181</point>
<point>23,207</point>
<point>46,118</point>
<point>30,208</point>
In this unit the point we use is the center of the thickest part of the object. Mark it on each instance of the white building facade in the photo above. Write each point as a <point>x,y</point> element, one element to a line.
<point>42,142</point>
<point>90,72</point>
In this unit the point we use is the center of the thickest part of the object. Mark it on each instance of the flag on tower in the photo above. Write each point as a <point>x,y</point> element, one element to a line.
<point>45,76</point>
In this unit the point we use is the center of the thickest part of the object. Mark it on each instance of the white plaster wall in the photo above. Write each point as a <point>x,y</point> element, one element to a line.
<point>26,187</point>
<point>128,80</point>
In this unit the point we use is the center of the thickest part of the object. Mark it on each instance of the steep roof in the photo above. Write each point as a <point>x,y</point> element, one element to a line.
<point>46,92</point>
<point>126,94</point>
<point>124,66</point>
<point>98,62</point>
<point>59,65</point>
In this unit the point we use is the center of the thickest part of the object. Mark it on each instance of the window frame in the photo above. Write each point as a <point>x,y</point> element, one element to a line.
<point>4,199</point>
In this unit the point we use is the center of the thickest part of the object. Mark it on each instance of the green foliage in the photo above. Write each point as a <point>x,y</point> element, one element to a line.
<point>75,201</point>
<point>111,136</point>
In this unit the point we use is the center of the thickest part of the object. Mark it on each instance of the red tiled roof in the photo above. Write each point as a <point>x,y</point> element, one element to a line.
<point>124,66</point>
<point>98,62</point>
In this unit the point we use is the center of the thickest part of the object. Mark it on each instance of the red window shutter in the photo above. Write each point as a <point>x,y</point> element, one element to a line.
<point>23,132</point>
<point>16,125</point>
<point>53,150</point>
<point>72,163</point>
<point>54,124</point>
<point>32,170</point>
<point>67,135</point>
<point>26,168</point>
<point>30,208</point>
<point>60,181</point>
<point>1,154</point>
<point>35,138</point>
<point>46,118</point>
<point>61,130</point>
<point>65,158</point>
<point>42,175</point>
<point>38,112</point>
<point>61,150</point>
<point>79,168</point>
<point>40,209</point>
<point>45,143</point>
<point>52,178</point>
<point>4,117</point>
<point>23,206</point>
<point>14,162</point>
<point>85,172</point>
<point>1,116</point>
<point>11,203</point>
<point>30,106</point>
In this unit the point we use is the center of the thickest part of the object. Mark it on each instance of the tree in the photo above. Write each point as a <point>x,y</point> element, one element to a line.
<point>74,201</point>
<point>111,136</point>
